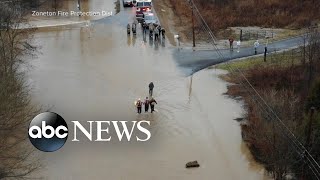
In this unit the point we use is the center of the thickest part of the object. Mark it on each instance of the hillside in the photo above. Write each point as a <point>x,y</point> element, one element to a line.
<point>221,14</point>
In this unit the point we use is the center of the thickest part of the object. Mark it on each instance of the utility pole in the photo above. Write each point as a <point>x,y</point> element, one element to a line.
<point>192,16</point>
<point>309,130</point>
<point>308,134</point>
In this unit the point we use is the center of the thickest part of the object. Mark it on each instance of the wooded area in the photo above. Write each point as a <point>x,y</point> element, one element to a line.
<point>289,83</point>
<point>16,109</point>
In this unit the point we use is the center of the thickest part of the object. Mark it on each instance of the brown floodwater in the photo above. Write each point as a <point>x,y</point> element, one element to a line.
<point>97,72</point>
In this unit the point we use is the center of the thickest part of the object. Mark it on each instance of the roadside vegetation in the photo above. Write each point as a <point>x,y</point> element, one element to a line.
<point>226,17</point>
<point>16,110</point>
<point>289,82</point>
<point>285,58</point>
<point>221,14</point>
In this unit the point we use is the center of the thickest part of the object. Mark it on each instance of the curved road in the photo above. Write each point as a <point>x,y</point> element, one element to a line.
<point>193,61</point>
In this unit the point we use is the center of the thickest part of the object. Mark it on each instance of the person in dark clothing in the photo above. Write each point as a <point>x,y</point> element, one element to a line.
<point>139,106</point>
<point>163,32</point>
<point>151,86</point>
<point>151,29</point>
<point>156,33</point>
<point>134,25</point>
<point>144,26</point>
<point>152,102</point>
<point>159,28</point>
<point>231,43</point>
<point>128,29</point>
<point>146,105</point>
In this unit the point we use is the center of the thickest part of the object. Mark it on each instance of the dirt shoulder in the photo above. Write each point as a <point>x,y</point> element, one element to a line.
<point>169,20</point>
<point>165,13</point>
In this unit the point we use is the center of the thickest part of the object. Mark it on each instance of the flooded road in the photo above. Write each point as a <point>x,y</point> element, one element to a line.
<point>97,72</point>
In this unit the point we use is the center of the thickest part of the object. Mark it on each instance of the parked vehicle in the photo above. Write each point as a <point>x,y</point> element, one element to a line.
<point>142,6</point>
<point>127,3</point>
<point>150,18</point>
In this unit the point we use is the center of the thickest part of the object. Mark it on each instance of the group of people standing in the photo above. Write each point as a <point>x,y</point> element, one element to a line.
<point>133,27</point>
<point>147,102</point>
<point>154,29</point>
<point>238,43</point>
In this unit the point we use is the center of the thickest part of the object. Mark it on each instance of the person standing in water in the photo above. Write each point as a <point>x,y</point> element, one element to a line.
<point>146,104</point>
<point>152,103</point>
<point>151,28</point>
<point>151,86</point>
<point>156,33</point>
<point>163,32</point>
<point>139,105</point>
<point>144,26</point>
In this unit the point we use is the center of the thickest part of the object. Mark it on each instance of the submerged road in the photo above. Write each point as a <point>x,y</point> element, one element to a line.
<point>97,72</point>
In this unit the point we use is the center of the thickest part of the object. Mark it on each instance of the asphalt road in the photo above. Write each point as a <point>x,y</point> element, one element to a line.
<point>193,61</point>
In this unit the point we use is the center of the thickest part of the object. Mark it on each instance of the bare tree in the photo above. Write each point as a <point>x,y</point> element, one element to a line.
<point>266,138</point>
<point>16,160</point>
<point>312,54</point>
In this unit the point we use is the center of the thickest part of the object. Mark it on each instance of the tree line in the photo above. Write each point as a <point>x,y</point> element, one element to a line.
<point>291,88</point>
<point>16,110</point>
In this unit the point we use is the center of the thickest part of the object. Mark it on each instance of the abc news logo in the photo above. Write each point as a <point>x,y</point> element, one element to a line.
<point>48,131</point>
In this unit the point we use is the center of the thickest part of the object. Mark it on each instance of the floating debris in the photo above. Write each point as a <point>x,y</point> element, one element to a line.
<point>192,164</point>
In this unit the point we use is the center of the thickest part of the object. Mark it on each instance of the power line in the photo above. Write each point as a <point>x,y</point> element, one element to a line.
<point>290,135</point>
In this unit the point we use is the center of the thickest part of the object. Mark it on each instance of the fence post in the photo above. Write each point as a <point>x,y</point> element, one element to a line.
<point>265,54</point>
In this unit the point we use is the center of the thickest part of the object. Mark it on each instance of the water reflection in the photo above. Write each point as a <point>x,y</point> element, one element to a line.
<point>163,42</point>
<point>128,40</point>
<point>190,88</point>
<point>83,40</point>
<point>150,41</point>
<point>145,38</point>
<point>134,37</point>
<point>156,45</point>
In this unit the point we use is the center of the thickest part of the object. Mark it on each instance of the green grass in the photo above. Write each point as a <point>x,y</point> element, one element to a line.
<point>284,59</point>
<point>241,64</point>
